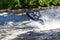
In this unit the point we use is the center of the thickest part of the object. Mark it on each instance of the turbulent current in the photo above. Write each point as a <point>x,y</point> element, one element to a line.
<point>25,25</point>
<point>51,18</point>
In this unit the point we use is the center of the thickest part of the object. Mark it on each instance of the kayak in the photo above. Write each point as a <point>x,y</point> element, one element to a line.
<point>35,16</point>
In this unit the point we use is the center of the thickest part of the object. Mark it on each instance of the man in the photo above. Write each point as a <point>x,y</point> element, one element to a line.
<point>35,16</point>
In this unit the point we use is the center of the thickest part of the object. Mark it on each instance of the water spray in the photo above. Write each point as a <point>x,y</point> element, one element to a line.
<point>36,16</point>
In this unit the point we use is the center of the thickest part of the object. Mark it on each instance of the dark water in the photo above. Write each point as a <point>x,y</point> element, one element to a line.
<point>11,17</point>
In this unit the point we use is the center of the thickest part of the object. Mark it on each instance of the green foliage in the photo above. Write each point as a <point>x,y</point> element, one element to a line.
<point>16,4</point>
<point>47,2</point>
<point>59,2</point>
<point>55,2</point>
<point>33,3</point>
<point>23,3</point>
<point>41,2</point>
<point>3,4</point>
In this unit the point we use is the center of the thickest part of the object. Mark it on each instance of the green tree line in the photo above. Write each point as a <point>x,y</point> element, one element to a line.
<point>17,4</point>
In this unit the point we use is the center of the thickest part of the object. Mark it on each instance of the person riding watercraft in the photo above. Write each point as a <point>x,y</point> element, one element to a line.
<point>35,16</point>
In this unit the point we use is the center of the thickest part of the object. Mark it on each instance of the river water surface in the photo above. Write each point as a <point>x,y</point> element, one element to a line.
<point>51,18</point>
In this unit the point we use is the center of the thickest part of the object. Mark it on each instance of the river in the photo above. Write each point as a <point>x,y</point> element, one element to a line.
<point>49,31</point>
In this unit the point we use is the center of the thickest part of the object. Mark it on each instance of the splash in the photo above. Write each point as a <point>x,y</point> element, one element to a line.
<point>51,18</point>
<point>5,13</point>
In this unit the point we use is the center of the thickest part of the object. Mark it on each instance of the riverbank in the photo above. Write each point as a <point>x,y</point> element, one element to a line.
<point>25,9</point>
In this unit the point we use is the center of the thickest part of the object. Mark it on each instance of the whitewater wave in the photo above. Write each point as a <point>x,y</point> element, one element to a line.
<point>51,18</point>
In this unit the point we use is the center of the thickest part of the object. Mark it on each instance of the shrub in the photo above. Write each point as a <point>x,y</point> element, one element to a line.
<point>55,2</point>
<point>41,2</point>
<point>33,3</point>
<point>47,2</point>
<point>16,4</point>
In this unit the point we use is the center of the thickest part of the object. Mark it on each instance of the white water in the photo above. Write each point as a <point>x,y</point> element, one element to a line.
<point>51,19</point>
<point>1,14</point>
